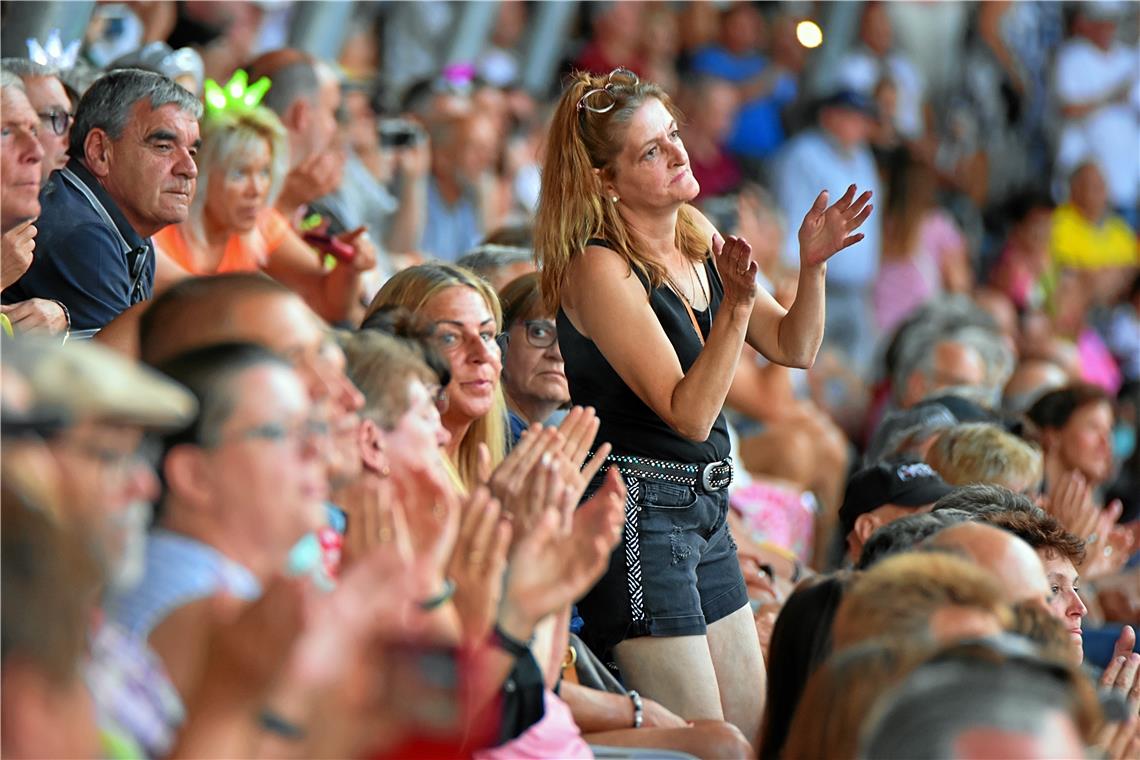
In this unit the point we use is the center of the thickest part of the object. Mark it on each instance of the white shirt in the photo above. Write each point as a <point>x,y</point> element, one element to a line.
<point>861,70</point>
<point>1110,135</point>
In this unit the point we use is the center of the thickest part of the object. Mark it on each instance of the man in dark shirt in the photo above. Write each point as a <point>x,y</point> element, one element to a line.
<point>131,173</point>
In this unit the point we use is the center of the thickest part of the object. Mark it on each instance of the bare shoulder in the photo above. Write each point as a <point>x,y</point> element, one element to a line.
<point>598,269</point>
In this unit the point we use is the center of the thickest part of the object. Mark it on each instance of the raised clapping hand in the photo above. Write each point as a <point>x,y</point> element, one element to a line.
<point>827,230</point>
<point>733,257</point>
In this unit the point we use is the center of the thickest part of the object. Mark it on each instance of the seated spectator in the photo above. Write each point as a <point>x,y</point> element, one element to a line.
<point>1086,234</point>
<point>931,363</point>
<point>836,154</point>
<point>712,105</point>
<point>909,433</point>
<point>305,95</point>
<point>1061,554</point>
<point>233,227</point>
<point>1074,428</point>
<point>876,57</point>
<point>615,39</point>
<point>924,252</point>
<point>925,595</point>
<point>842,693</point>
<point>460,195</point>
<point>882,493</point>
<point>499,263</point>
<point>131,174</point>
<point>801,642</point>
<point>49,585</point>
<point>50,101</point>
<point>463,315</point>
<point>1011,561</point>
<point>23,157</point>
<point>106,483</point>
<point>980,452</point>
<point>1000,700</point>
<point>1024,260</point>
<point>763,87</point>
<point>1096,87</point>
<point>906,533</point>
<point>244,482</point>
<point>1031,379</point>
<point>534,381</point>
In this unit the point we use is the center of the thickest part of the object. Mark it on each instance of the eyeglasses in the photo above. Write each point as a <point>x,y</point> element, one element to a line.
<point>58,118</point>
<point>540,333</point>
<point>439,397</point>
<point>602,99</point>
<point>116,461</point>
<point>302,431</point>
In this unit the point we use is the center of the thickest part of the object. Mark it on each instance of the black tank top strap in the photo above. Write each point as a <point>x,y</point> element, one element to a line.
<point>601,243</point>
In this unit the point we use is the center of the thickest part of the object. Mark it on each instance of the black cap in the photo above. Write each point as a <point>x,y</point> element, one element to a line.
<point>903,484</point>
<point>853,101</point>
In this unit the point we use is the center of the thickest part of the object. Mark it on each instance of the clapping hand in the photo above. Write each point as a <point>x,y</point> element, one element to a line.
<point>17,250</point>
<point>734,263</point>
<point>827,230</point>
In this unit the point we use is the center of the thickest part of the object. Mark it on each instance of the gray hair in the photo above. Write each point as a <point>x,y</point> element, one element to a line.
<point>986,498</point>
<point>27,69</point>
<point>905,534</point>
<point>902,428</point>
<point>953,319</point>
<point>935,705</point>
<point>301,79</point>
<point>489,258</point>
<point>107,105</point>
<point>10,80</point>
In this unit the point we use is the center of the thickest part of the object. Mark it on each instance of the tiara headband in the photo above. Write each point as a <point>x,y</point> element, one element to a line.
<point>238,94</point>
<point>52,53</point>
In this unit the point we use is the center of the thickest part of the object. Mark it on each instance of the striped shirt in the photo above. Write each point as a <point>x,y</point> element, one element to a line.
<point>179,570</point>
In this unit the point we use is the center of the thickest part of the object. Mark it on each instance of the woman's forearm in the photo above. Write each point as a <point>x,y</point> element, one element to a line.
<point>698,398</point>
<point>800,332</point>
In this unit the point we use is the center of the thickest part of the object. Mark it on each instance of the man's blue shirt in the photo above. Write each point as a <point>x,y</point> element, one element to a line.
<point>80,259</point>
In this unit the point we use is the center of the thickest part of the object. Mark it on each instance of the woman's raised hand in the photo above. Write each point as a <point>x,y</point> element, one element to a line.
<point>827,230</point>
<point>737,270</point>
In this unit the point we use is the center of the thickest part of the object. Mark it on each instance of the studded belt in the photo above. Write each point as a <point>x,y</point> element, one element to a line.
<point>710,477</point>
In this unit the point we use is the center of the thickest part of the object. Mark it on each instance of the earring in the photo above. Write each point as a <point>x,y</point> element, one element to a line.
<point>385,471</point>
<point>614,199</point>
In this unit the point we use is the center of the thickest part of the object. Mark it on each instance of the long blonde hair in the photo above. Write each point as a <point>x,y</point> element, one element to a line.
<point>572,207</point>
<point>412,289</point>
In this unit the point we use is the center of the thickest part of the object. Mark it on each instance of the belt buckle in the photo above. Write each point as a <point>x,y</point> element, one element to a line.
<point>707,475</point>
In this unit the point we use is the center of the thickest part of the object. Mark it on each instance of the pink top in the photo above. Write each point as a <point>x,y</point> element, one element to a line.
<point>555,736</point>
<point>907,282</point>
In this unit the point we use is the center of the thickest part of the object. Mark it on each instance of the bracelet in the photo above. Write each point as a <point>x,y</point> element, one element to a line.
<point>275,724</point>
<point>509,643</point>
<point>66,316</point>
<point>638,708</point>
<point>441,598</point>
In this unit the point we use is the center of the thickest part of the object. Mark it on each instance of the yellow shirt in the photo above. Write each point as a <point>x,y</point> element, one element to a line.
<point>1080,244</point>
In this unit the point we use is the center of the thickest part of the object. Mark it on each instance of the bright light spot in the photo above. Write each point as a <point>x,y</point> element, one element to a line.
<point>809,34</point>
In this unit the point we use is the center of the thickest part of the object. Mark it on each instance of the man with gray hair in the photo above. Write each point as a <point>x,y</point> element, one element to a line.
<point>976,707</point>
<point>50,101</point>
<point>305,95</point>
<point>131,173</point>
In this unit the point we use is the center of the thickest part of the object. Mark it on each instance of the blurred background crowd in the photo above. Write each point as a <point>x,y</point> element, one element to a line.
<point>273,335</point>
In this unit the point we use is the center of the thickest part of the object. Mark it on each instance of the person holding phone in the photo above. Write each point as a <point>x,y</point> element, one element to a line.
<point>653,309</point>
<point>233,227</point>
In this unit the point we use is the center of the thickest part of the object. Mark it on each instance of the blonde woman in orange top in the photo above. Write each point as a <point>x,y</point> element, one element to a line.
<point>233,227</point>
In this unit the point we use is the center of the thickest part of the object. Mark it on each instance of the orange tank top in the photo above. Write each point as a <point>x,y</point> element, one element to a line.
<point>248,252</point>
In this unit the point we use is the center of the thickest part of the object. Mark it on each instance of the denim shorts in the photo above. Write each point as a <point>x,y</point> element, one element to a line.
<point>674,572</point>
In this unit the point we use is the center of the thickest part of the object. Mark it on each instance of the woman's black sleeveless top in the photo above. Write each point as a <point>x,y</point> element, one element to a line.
<point>627,423</point>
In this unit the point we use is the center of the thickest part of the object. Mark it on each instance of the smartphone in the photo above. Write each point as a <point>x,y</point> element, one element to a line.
<point>399,133</point>
<point>326,243</point>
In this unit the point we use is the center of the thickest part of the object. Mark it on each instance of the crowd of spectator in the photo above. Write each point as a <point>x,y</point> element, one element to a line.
<point>336,421</point>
